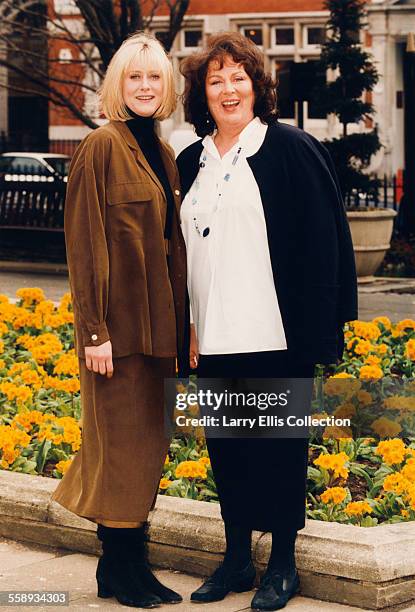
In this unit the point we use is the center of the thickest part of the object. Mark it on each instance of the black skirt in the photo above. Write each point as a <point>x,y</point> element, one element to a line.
<point>261,482</point>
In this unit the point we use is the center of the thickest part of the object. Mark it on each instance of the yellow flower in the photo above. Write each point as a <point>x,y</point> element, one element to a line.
<point>366,330</point>
<point>404,513</point>
<point>191,469</point>
<point>12,441</point>
<point>65,302</point>
<point>342,375</point>
<point>28,419</point>
<point>334,495</point>
<point>205,461</point>
<point>3,329</point>
<point>382,349</point>
<point>31,377</point>
<point>385,428</point>
<point>63,466</point>
<point>408,471</point>
<point>411,497</point>
<point>1,346</point>
<point>345,411</point>
<point>358,508</point>
<point>406,324</point>
<point>410,349</point>
<point>363,347</point>
<point>392,451</point>
<point>335,463</point>
<point>395,483</point>
<point>67,364</point>
<point>372,360</point>
<point>370,372</point>
<point>30,295</point>
<point>44,308</point>
<point>334,432</point>
<point>341,384</point>
<point>386,322</point>
<point>164,484</point>
<point>399,402</point>
<point>364,397</point>
<point>2,364</point>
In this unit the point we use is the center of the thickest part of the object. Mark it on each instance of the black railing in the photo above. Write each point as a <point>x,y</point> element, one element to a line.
<point>32,205</point>
<point>388,195</point>
<point>35,199</point>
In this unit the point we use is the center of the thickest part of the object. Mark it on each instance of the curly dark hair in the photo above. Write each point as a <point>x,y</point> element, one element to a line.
<point>243,51</point>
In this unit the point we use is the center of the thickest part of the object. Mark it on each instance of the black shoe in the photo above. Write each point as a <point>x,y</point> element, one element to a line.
<point>124,544</point>
<point>275,590</point>
<point>118,578</point>
<point>222,582</point>
<point>154,585</point>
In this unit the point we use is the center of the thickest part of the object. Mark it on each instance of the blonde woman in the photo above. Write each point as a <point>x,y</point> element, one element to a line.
<point>128,281</point>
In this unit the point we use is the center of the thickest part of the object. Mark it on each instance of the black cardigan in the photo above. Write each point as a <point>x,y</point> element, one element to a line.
<point>308,238</point>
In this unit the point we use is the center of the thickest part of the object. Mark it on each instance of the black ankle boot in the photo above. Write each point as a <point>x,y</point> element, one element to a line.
<point>117,574</point>
<point>223,581</point>
<point>276,589</point>
<point>144,571</point>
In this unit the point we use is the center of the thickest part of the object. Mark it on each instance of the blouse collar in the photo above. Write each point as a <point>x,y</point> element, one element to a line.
<point>250,139</point>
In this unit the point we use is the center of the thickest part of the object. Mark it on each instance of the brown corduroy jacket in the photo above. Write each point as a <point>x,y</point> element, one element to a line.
<point>123,288</point>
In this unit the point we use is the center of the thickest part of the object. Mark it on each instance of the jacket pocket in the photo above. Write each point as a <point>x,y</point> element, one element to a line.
<point>128,193</point>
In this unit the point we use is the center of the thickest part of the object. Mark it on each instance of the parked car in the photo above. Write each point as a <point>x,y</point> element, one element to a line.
<point>34,167</point>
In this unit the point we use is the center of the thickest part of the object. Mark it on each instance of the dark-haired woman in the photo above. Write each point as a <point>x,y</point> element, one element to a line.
<point>271,281</point>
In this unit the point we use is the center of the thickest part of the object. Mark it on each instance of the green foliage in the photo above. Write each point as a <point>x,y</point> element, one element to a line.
<point>345,95</point>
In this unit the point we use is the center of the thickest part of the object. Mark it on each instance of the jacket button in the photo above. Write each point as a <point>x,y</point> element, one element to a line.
<point>94,337</point>
<point>176,192</point>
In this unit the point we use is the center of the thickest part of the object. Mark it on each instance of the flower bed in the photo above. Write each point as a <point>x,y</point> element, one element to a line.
<point>358,481</point>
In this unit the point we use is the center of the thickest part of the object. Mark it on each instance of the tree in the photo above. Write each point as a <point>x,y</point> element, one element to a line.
<point>347,96</point>
<point>33,37</point>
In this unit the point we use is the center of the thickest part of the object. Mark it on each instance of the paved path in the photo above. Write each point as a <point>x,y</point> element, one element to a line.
<point>25,567</point>
<point>374,299</point>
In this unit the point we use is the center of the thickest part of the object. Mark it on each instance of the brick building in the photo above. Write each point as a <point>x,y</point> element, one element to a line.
<point>288,31</point>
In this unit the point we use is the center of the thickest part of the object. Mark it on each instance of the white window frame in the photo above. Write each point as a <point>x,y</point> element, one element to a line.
<point>256,26</point>
<point>183,47</point>
<point>306,45</point>
<point>282,49</point>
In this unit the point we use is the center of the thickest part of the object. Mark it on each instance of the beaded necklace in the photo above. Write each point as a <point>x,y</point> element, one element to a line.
<point>203,233</point>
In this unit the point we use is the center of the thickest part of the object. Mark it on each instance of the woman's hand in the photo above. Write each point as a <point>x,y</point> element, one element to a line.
<point>99,359</point>
<point>194,348</point>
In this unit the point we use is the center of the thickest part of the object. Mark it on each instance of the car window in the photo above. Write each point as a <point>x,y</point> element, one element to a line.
<point>60,164</point>
<point>27,165</point>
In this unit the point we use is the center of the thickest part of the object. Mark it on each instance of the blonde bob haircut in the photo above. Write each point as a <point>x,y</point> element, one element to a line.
<point>151,56</point>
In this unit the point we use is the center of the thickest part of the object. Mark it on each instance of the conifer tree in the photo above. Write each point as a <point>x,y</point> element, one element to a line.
<point>347,96</point>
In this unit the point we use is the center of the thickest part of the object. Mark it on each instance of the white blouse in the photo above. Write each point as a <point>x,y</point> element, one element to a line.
<point>233,301</point>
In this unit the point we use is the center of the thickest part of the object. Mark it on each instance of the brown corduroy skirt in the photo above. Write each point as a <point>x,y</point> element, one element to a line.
<point>116,472</point>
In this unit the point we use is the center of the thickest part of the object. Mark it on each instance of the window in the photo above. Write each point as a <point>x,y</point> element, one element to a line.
<point>27,165</point>
<point>317,78</point>
<point>24,169</point>
<point>162,36</point>
<point>314,35</point>
<point>65,56</point>
<point>285,102</point>
<point>283,36</point>
<point>60,164</point>
<point>254,33</point>
<point>192,38</point>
